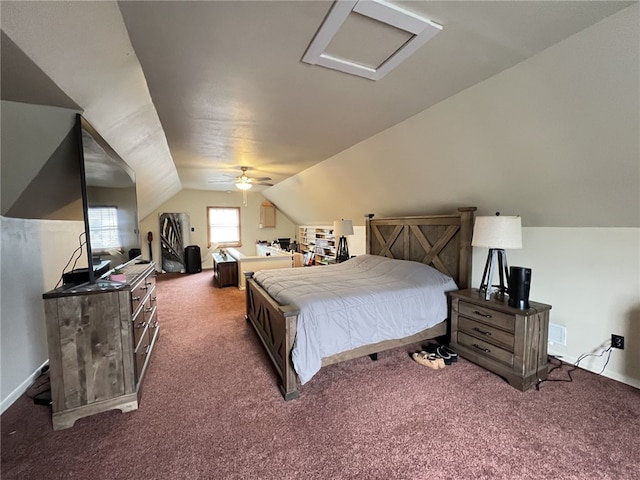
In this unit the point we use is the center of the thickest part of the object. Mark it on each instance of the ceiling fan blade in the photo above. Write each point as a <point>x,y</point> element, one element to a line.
<point>263,184</point>
<point>260,179</point>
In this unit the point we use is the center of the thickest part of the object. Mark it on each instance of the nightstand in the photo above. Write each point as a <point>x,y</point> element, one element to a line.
<point>508,341</point>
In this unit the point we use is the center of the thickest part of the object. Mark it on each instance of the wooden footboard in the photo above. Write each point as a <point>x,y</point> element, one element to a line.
<point>276,327</point>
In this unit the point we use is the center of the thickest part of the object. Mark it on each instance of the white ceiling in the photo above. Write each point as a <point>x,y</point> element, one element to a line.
<point>213,85</point>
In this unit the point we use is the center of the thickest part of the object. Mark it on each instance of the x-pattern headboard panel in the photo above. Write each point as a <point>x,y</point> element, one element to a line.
<point>443,241</point>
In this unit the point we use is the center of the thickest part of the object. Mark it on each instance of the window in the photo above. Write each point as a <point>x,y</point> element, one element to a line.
<point>103,226</point>
<point>224,226</point>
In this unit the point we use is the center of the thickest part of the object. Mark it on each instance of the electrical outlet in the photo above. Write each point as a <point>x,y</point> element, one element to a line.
<point>617,341</point>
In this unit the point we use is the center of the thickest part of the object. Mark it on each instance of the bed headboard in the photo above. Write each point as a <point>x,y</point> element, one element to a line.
<point>442,241</point>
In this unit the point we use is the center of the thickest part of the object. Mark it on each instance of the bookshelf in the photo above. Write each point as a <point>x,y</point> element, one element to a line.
<point>319,240</point>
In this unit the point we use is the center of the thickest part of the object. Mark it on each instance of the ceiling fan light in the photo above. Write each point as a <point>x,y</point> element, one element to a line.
<point>243,186</point>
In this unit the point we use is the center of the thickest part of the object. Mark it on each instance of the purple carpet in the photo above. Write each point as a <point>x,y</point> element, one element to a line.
<point>211,409</point>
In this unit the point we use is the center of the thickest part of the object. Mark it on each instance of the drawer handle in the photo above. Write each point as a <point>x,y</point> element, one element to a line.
<point>148,283</point>
<point>142,324</point>
<point>146,349</point>
<point>135,299</point>
<point>486,350</point>
<point>153,299</point>
<point>148,310</point>
<point>155,324</point>
<point>485,315</point>
<point>144,288</point>
<point>482,331</point>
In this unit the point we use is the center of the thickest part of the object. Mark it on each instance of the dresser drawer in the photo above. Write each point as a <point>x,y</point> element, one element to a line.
<point>152,322</point>
<point>149,283</point>
<point>140,326</point>
<point>485,349</point>
<point>486,315</point>
<point>149,309</point>
<point>486,332</point>
<point>141,290</point>
<point>141,354</point>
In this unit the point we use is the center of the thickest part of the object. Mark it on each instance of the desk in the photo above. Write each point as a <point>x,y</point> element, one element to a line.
<point>225,271</point>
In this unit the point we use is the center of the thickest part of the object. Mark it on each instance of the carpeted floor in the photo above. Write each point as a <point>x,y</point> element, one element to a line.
<point>211,409</point>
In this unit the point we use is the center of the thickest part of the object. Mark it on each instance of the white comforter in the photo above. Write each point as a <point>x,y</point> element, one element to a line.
<point>364,300</point>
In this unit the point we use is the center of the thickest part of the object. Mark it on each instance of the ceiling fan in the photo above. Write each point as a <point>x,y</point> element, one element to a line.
<point>244,182</point>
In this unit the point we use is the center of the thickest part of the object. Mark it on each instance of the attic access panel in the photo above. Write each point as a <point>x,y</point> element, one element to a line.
<point>419,29</point>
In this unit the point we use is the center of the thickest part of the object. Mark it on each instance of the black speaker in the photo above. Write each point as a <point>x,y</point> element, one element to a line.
<point>192,261</point>
<point>519,286</point>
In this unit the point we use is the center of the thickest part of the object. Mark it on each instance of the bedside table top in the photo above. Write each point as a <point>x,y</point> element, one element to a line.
<point>474,296</point>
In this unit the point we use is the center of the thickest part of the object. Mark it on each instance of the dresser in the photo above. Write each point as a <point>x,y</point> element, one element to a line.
<point>100,338</point>
<point>507,341</point>
<point>225,270</point>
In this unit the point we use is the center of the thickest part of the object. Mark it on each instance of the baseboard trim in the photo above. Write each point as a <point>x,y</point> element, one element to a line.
<point>13,396</point>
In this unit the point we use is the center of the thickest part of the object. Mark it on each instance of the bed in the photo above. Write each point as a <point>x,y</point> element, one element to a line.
<point>441,241</point>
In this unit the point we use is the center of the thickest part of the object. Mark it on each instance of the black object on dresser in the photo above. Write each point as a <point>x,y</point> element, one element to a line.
<point>508,341</point>
<point>519,286</point>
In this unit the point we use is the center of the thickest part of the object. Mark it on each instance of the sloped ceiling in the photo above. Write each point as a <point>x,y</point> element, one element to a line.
<point>85,49</point>
<point>186,92</point>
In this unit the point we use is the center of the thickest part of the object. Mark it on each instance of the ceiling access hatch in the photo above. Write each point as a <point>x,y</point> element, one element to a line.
<point>368,38</point>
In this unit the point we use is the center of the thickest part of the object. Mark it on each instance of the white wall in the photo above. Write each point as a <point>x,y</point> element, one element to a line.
<point>195,203</point>
<point>34,252</point>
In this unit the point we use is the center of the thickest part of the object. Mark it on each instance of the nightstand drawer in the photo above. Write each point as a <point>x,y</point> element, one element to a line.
<point>485,349</point>
<point>486,315</point>
<point>485,332</point>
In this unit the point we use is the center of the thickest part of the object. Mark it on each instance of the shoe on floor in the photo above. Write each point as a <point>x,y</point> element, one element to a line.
<point>434,357</point>
<point>431,347</point>
<point>448,359</point>
<point>452,354</point>
<point>428,360</point>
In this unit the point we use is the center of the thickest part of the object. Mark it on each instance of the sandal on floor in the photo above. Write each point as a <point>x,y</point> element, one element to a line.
<point>436,358</point>
<point>428,360</point>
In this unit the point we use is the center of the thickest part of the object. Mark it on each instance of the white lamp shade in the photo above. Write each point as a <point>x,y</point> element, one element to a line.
<point>243,185</point>
<point>497,232</point>
<point>342,228</point>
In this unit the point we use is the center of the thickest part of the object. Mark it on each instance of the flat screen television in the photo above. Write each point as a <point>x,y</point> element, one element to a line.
<point>109,202</point>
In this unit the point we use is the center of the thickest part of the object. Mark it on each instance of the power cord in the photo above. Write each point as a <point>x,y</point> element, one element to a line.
<point>79,249</point>
<point>575,366</point>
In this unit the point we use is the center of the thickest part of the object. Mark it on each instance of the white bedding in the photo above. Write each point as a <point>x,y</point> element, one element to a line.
<point>364,300</point>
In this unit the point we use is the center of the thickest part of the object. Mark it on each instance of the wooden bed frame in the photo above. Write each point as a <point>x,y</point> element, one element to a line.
<point>443,241</point>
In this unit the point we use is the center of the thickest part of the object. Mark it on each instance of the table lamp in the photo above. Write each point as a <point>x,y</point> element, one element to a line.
<point>496,233</point>
<point>342,228</point>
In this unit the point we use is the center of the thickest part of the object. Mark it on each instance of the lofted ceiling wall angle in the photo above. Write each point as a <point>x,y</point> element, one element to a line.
<point>187,92</point>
